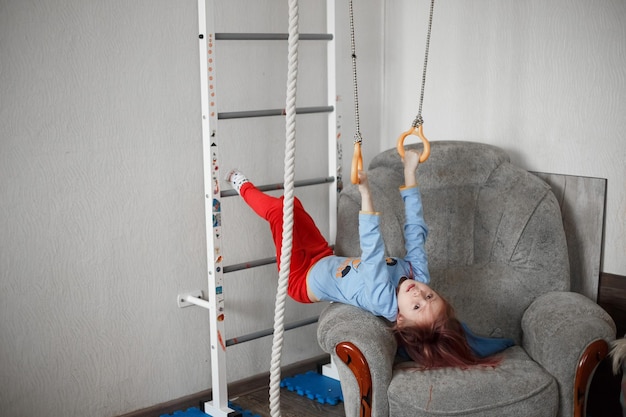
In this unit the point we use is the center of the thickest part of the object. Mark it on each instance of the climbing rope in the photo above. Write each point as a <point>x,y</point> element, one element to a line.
<point>357,158</point>
<point>287,237</point>
<point>417,125</point>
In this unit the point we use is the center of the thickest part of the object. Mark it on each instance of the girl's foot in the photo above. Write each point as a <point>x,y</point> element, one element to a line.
<point>236,179</point>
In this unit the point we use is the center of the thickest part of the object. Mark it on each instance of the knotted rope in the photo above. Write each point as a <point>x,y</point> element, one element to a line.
<point>287,237</point>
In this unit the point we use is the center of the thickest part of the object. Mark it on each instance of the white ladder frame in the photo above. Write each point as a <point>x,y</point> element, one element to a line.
<point>218,406</point>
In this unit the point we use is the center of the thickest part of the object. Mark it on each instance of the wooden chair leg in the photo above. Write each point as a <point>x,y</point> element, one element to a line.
<point>589,361</point>
<point>354,359</point>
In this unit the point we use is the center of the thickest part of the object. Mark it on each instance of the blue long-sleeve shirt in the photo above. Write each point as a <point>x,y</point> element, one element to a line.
<point>370,282</point>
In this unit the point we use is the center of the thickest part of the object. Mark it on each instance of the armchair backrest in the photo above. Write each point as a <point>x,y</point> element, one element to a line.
<point>496,238</point>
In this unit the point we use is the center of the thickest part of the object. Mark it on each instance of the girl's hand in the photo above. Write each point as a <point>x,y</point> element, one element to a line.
<point>411,160</point>
<point>363,182</point>
<point>364,185</point>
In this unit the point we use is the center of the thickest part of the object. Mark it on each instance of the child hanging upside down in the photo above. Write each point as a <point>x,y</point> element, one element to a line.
<point>426,327</point>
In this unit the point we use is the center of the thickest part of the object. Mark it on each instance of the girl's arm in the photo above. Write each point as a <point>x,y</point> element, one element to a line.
<point>377,292</point>
<point>367,205</point>
<point>415,229</point>
<point>370,240</point>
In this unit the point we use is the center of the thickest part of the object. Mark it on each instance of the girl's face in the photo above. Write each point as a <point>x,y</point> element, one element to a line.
<point>418,304</point>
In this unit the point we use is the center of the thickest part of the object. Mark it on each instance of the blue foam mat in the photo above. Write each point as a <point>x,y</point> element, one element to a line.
<point>190,412</point>
<point>315,386</point>
<point>196,412</point>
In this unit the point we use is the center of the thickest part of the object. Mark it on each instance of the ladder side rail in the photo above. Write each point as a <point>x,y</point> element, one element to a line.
<point>334,150</point>
<point>333,136</point>
<point>218,406</point>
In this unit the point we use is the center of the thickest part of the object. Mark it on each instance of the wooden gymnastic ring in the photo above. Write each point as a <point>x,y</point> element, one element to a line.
<point>357,163</point>
<point>419,131</point>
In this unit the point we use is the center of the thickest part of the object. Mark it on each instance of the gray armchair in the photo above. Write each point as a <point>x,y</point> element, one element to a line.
<point>497,251</point>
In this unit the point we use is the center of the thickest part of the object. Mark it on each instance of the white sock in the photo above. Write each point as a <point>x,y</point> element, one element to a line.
<point>236,179</point>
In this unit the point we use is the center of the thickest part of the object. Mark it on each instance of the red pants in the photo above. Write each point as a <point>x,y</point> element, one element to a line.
<point>308,243</point>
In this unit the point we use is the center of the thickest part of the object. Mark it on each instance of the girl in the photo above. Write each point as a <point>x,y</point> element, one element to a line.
<point>397,289</point>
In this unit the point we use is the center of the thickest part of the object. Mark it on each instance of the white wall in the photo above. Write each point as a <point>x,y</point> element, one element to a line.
<point>101,172</point>
<point>102,200</point>
<point>369,20</point>
<point>545,80</point>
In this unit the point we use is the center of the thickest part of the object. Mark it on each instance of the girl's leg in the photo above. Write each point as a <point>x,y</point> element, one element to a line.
<point>308,243</point>
<point>265,205</point>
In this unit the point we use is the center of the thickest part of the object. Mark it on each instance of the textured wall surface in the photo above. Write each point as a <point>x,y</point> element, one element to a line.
<point>544,80</point>
<point>101,195</point>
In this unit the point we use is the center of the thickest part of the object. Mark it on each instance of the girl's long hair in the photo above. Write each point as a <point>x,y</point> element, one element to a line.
<point>440,344</point>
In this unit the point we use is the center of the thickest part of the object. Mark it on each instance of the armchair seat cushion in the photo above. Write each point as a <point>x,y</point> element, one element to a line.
<point>517,387</point>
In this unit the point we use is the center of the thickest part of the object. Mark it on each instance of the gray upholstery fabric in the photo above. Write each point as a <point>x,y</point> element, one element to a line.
<point>340,322</point>
<point>496,247</point>
<point>516,388</point>
<point>555,327</point>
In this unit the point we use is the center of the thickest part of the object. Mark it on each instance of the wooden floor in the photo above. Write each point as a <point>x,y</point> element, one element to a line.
<point>291,405</point>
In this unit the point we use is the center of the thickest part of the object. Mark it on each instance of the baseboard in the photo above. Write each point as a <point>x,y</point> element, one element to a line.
<point>234,389</point>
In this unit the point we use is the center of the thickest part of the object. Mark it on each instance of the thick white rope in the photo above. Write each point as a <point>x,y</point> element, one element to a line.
<point>287,237</point>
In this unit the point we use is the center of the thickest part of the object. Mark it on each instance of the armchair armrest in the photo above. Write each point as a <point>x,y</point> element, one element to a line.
<point>370,344</point>
<point>567,334</point>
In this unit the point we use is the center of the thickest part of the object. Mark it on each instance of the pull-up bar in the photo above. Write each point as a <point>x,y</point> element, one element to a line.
<point>272,36</point>
<point>272,112</point>
<point>267,332</point>
<point>250,264</point>
<point>280,185</point>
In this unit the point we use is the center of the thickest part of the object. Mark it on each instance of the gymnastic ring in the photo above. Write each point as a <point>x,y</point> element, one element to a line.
<point>357,163</point>
<point>417,132</point>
